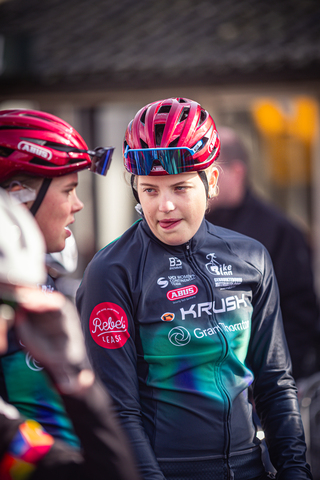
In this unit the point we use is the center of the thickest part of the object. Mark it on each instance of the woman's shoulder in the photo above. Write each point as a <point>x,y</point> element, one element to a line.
<point>125,247</point>
<point>247,248</point>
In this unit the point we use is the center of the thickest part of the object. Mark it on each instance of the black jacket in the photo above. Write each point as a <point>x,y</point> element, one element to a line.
<point>177,334</point>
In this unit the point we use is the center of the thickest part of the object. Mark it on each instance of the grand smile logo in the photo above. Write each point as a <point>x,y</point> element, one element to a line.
<point>179,336</point>
<point>182,292</point>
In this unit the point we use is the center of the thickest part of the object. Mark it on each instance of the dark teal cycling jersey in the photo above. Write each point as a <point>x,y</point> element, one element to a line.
<point>25,384</point>
<point>178,334</point>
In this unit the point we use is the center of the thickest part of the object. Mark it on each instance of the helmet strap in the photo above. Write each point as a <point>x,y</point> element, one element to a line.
<point>134,191</point>
<point>202,174</point>
<point>42,191</point>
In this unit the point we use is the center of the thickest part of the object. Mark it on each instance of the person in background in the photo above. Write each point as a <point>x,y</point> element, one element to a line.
<point>181,317</point>
<point>40,157</point>
<point>49,328</point>
<point>239,208</point>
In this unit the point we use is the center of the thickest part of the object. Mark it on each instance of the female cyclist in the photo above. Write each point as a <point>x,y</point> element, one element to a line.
<point>40,157</point>
<point>181,317</point>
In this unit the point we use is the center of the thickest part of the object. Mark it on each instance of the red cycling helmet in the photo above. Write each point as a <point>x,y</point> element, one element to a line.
<point>170,136</point>
<point>40,144</point>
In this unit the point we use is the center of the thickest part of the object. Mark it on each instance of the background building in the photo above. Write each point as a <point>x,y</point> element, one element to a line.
<point>254,65</point>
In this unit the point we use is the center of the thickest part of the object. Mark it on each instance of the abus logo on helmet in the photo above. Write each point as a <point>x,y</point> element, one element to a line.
<point>35,150</point>
<point>182,292</point>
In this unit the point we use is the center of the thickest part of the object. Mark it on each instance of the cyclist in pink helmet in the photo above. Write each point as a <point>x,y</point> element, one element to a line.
<point>180,317</point>
<point>40,157</point>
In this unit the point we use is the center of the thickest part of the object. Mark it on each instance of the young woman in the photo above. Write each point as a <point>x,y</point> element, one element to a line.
<point>40,157</point>
<point>181,317</point>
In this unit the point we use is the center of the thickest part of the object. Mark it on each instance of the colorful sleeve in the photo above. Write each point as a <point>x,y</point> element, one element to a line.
<point>30,444</point>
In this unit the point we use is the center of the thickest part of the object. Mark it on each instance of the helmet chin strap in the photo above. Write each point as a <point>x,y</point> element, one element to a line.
<point>134,191</point>
<point>42,191</point>
<point>202,174</point>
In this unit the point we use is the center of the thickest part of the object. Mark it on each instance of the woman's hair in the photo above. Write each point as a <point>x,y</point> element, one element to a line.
<point>24,179</point>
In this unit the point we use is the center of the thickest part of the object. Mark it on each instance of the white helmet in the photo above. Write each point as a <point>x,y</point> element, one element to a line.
<point>22,247</point>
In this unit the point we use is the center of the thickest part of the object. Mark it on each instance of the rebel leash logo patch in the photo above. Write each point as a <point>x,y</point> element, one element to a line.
<point>109,325</point>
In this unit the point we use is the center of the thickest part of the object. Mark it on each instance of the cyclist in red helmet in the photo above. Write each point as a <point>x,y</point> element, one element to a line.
<point>50,329</point>
<point>181,317</point>
<point>40,157</point>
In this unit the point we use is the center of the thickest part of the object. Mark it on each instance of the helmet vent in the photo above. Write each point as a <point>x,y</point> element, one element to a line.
<point>184,114</point>
<point>181,100</point>
<point>159,129</point>
<point>44,163</point>
<point>143,117</point>
<point>203,117</point>
<point>143,144</point>
<point>174,143</point>
<point>164,109</point>
<point>34,140</point>
<point>13,127</point>
<point>5,151</point>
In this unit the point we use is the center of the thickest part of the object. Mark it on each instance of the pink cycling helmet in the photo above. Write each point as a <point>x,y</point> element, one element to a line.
<point>174,123</point>
<point>39,144</point>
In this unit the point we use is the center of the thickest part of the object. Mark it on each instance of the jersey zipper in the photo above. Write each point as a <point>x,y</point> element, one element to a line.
<point>210,289</point>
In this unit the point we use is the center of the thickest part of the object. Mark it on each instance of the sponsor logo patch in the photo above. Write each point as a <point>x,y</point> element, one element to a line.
<point>179,336</point>
<point>162,282</point>
<point>109,325</point>
<point>177,280</point>
<point>223,275</point>
<point>167,317</point>
<point>174,263</point>
<point>182,292</point>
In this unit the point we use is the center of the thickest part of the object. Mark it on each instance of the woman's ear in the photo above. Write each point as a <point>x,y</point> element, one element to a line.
<point>212,176</point>
<point>22,193</point>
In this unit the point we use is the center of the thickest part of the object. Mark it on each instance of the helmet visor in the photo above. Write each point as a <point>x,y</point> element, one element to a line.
<point>173,160</point>
<point>101,159</point>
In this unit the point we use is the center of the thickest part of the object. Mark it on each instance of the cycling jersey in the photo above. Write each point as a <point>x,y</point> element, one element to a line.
<point>27,452</point>
<point>25,384</point>
<point>178,334</point>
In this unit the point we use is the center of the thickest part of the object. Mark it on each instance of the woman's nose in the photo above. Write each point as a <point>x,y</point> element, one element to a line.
<point>77,204</point>
<point>166,205</point>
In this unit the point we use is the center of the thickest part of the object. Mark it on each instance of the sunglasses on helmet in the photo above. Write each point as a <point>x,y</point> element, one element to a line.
<point>174,160</point>
<point>100,159</point>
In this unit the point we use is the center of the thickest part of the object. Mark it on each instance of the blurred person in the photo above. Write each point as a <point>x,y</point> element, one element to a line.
<point>40,157</point>
<point>49,328</point>
<point>180,317</point>
<point>239,208</point>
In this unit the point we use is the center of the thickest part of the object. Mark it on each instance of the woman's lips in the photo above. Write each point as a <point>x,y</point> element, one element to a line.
<point>168,224</point>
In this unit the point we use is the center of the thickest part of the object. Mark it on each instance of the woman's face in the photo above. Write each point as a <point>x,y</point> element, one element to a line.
<point>173,205</point>
<point>57,211</point>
